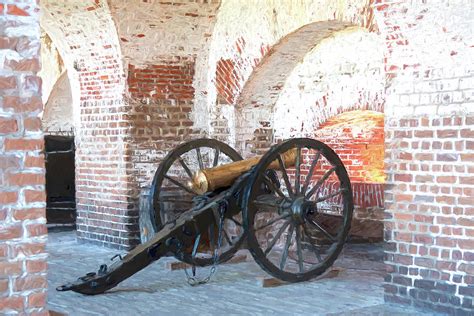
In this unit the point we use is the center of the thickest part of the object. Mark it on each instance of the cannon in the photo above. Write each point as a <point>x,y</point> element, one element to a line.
<point>291,208</point>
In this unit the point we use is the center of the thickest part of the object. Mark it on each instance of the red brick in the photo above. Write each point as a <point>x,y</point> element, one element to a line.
<point>32,124</point>
<point>424,134</point>
<point>12,303</point>
<point>22,105</point>
<point>28,249</point>
<point>14,10</point>
<point>3,286</point>
<point>446,242</point>
<point>8,197</point>
<point>467,157</point>
<point>32,84</point>
<point>464,221</point>
<point>11,232</point>
<point>36,300</point>
<point>404,177</point>
<point>447,133</point>
<point>466,180</point>
<point>446,179</point>
<point>3,250</point>
<point>24,179</point>
<point>8,43</point>
<point>35,266</point>
<point>30,65</point>
<point>9,162</point>
<point>467,133</point>
<point>32,196</point>
<point>466,243</point>
<point>29,213</point>
<point>30,282</point>
<point>34,230</point>
<point>34,161</point>
<point>23,144</point>
<point>8,269</point>
<point>8,82</point>
<point>8,126</point>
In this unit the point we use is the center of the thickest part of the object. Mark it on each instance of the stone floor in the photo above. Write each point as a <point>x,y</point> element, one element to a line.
<point>234,290</point>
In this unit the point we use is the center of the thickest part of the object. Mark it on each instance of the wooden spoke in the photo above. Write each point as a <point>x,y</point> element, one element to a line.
<point>185,167</point>
<point>310,173</point>
<point>285,175</point>
<point>277,236</point>
<point>315,249</point>
<point>273,221</point>
<point>216,157</point>
<point>297,170</point>
<point>164,200</point>
<point>320,182</point>
<point>325,232</point>
<point>199,157</point>
<point>272,187</point>
<point>182,186</point>
<point>287,247</point>
<point>298,249</point>
<point>268,202</point>
<point>324,198</point>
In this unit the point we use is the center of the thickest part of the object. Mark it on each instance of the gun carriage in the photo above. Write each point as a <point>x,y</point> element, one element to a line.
<point>291,208</point>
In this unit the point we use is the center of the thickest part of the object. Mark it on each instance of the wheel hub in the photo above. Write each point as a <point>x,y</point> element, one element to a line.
<point>300,208</point>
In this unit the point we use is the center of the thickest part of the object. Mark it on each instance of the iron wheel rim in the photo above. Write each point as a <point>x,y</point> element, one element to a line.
<point>157,213</point>
<point>250,212</point>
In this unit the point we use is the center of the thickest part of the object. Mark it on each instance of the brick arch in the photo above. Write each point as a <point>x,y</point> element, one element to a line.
<point>86,37</point>
<point>242,38</point>
<point>275,104</point>
<point>256,103</point>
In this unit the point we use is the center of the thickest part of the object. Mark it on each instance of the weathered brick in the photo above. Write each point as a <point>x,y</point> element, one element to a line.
<point>8,126</point>
<point>14,302</point>
<point>8,197</point>
<point>12,144</point>
<point>11,232</point>
<point>28,213</point>
<point>30,282</point>
<point>24,179</point>
<point>7,82</point>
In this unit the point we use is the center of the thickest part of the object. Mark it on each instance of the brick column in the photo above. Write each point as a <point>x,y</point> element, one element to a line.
<point>22,199</point>
<point>429,155</point>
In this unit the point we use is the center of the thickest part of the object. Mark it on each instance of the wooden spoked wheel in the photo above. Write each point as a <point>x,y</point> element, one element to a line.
<point>297,217</point>
<point>171,196</point>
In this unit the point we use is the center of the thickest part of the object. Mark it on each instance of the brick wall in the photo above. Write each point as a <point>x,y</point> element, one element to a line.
<point>22,199</point>
<point>86,37</point>
<point>429,157</point>
<point>162,99</point>
<point>358,138</point>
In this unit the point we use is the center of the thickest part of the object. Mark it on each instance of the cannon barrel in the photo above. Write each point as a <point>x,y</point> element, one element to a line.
<point>210,179</point>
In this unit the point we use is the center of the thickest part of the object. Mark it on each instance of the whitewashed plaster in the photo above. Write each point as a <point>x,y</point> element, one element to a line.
<point>58,111</point>
<point>344,72</point>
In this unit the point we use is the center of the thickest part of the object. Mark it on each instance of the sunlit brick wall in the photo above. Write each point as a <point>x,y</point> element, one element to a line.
<point>429,153</point>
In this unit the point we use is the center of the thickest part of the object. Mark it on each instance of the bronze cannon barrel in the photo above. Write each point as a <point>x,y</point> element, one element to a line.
<point>210,179</point>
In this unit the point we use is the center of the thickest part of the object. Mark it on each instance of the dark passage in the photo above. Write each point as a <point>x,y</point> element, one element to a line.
<point>60,189</point>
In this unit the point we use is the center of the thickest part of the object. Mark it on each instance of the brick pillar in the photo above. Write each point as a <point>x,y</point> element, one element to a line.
<point>429,138</point>
<point>106,191</point>
<point>22,193</point>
